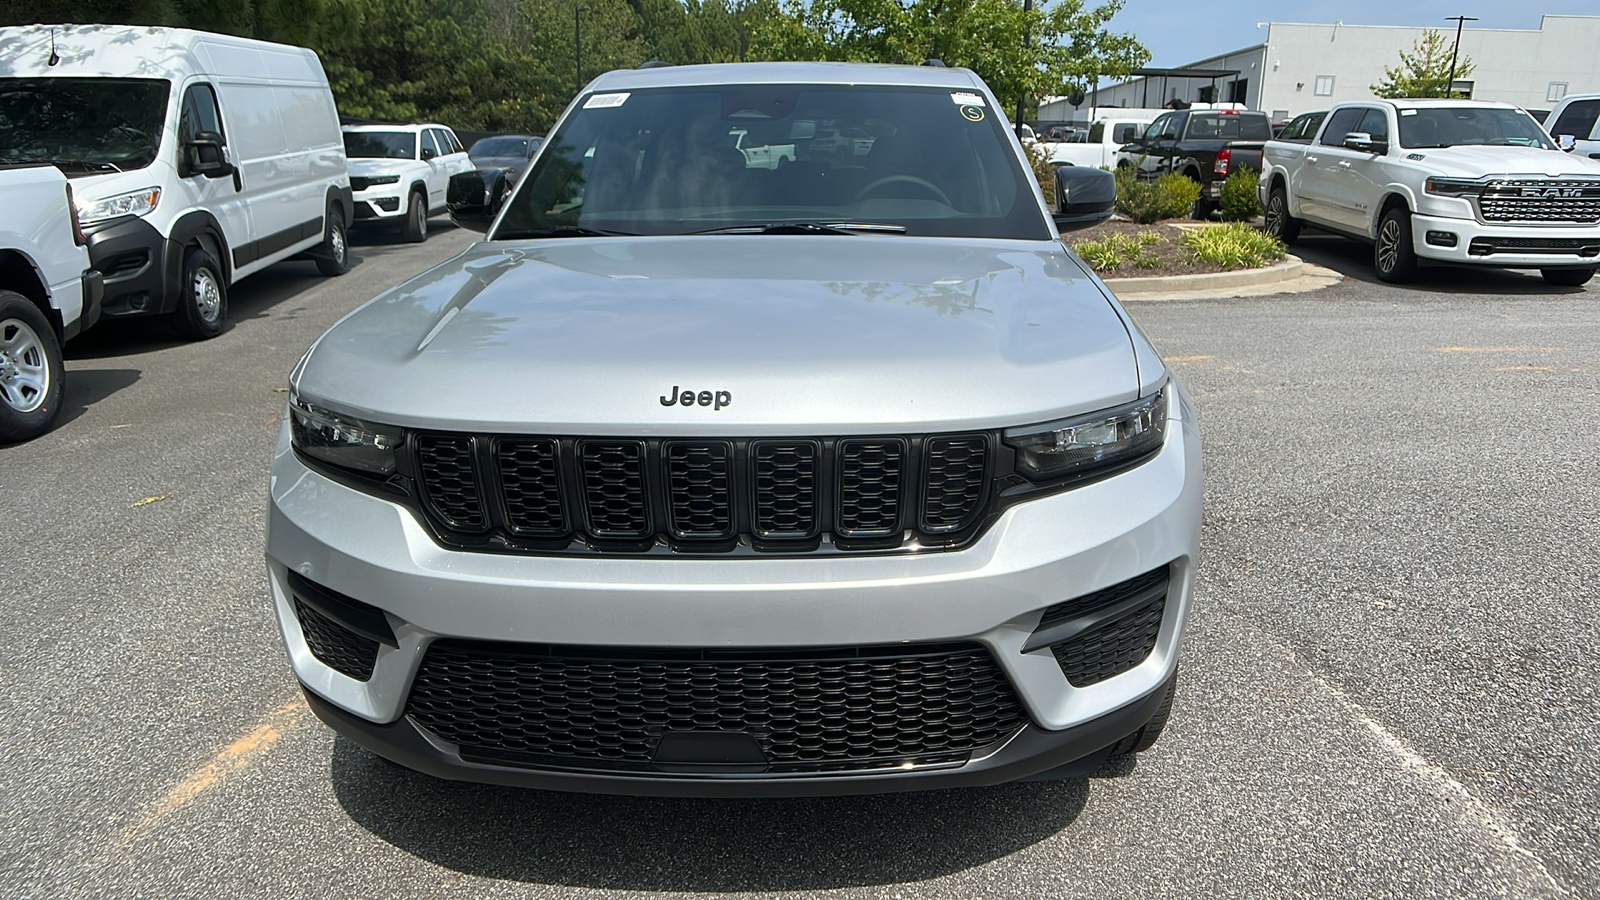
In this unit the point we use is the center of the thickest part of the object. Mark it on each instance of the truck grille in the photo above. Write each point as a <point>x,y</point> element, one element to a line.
<point>820,710</point>
<point>1538,200</point>
<point>547,494</point>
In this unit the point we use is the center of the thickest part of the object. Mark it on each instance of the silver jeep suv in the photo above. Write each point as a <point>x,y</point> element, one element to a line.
<point>742,460</point>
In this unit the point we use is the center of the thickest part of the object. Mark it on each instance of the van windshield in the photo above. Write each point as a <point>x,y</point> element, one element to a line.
<point>901,160</point>
<point>380,144</point>
<point>82,125</point>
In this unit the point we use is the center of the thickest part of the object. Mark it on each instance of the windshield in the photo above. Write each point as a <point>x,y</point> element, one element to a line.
<point>680,160</point>
<point>1230,125</point>
<point>504,146</point>
<point>82,124</point>
<point>1446,126</point>
<point>380,144</point>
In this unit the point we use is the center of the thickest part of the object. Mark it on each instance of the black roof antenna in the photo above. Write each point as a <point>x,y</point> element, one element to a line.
<point>54,56</point>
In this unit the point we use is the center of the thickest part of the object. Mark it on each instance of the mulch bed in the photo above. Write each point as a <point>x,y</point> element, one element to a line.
<point>1170,251</point>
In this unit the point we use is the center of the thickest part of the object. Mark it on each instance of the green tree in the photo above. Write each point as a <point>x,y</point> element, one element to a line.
<point>1048,50</point>
<point>1424,71</point>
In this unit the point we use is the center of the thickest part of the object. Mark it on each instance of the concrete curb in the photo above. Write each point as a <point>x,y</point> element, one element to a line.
<point>1291,268</point>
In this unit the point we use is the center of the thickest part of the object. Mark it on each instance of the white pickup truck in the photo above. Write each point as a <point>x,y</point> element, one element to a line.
<point>1577,117</point>
<point>1451,181</point>
<point>1098,146</point>
<point>48,295</point>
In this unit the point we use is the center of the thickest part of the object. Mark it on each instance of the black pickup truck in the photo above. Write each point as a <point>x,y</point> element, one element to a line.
<point>1204,144</point>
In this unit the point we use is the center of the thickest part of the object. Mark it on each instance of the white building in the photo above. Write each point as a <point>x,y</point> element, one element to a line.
<point>1305,67</point>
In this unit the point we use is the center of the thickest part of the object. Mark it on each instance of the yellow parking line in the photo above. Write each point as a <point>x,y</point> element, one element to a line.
<point>1497,349</point>
<point>232,758</point>
<point>1176,359</point>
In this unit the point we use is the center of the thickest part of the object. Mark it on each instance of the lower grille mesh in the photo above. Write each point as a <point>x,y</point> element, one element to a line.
<point>850,709</point>
<point>1112,648</point>
<point>335,645</point>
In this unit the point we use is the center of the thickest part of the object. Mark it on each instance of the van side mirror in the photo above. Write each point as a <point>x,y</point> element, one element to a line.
<point>1566,142</point>
<point>467,199</point>
<point>205,155</point>
<point>1084,197</point>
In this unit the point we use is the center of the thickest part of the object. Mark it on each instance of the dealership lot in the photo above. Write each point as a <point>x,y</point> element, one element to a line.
<point>1388,689</point>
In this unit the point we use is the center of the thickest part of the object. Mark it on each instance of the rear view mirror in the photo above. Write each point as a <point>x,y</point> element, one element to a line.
<point>1084,197</point>
<point>467,198</point>
<point>206,157</point>
<point>1566,142</point>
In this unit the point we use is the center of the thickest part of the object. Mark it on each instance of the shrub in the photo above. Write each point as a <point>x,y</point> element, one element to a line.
<point>1109,254</point>
<point>1232,246</point>
<point>1239,203</point>
<point>1151,201</point>
<point>1043,170</point>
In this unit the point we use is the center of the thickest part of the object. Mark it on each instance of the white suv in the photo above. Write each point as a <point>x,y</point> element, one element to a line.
<point>399,172</point>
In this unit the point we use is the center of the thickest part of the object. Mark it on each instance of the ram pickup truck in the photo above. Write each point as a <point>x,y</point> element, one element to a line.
<point>1098,146</point>
<point>1577,117</point>
<point>48,295</point>
<point>1450,181</point>
<point>1204,144</point>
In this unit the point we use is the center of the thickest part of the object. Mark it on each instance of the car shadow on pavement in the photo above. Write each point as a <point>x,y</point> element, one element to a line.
<point>86,387</point>
<point>1353,260</point>
<point>656,844</point>
<point>369,234</point>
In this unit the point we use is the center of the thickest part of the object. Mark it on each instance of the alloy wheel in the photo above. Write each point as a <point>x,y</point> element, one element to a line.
<point>1388,245</point>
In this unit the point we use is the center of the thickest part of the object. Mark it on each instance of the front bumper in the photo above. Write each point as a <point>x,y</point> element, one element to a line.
<point>384,201</point>
<point>993,593</point>
<point>1506,246</point>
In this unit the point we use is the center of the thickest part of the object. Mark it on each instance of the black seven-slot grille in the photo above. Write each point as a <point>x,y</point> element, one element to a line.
<point>815,710</point>
<point>546,494</point>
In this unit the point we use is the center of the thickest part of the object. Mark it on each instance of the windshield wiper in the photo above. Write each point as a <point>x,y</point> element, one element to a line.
<point>91,165</point>
<point>809,228</point>
<point>565,231</point>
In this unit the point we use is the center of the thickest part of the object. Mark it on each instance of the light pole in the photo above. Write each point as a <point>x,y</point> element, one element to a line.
<point>577,48</point>
<point>1450,86</point>
<point>1027,38</point>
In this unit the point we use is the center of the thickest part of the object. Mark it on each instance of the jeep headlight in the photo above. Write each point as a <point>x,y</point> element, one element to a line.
<point>343,441</point>
<point>134,203</point>
<point>383,179</point>
<point>1096,442</point>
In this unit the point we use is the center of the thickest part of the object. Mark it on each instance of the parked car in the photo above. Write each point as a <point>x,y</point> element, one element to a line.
<point>1451,181</point>
<point>1203,144</point>
<point>1098,146</point>
<point>840,477</point>
<point>197,159</point>
<point>49,295</point>
<point>399,173</point>
<point>500,160</point>
<point>1576,120</point>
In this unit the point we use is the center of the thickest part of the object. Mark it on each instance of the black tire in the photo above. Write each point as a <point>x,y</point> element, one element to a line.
<point>1276,219</point>
<point>1577,276</point>
<point>415,227</point>
<point>333,257</point>
<point>1201,210</point>
<point>31,370</point>
<point>202,297</point>
<point>1146,737</point>
<point>1392,253</point>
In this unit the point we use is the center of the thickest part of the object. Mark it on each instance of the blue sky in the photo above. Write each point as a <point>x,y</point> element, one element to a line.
<point>1183,31</point>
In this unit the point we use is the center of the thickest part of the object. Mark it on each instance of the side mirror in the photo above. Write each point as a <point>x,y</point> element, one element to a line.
<point>1363,142</point>
<point>205,156</point>
<point>1566,142</point>
<point>467,198</point>
<point>1084,197</point>
<point>429,153</point>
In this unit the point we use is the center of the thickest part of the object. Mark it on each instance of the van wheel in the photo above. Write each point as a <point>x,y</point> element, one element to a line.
<point>204,302</point>
<point>1574,277</point>
<point>1277,221</point>
<point>333,257</point>
<point>30,370</point>
<point>1392,253</point>
<point>415,228</point>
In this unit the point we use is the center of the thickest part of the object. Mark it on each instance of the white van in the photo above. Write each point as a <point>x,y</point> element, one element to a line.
<point>196,159</point>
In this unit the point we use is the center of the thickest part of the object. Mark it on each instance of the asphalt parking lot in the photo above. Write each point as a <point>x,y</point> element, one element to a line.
<point>1389,689</point>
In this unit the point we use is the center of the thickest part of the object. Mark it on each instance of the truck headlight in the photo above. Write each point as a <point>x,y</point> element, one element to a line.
<point>134,203</point>
<point>1096,442</point>
<point>343,441</point>
<point>1453,187</point>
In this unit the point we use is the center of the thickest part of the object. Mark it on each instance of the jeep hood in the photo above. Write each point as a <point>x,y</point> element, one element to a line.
<point>806,334</point>
<point>1476,161</point>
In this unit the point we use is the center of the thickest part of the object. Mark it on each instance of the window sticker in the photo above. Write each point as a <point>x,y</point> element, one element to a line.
<point>1408,112</point>
<point>605,101</point>
<point>972,113</point>
<point>967,98</point>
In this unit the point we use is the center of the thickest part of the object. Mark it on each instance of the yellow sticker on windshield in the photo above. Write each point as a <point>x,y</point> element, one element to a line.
<point>972,113</point>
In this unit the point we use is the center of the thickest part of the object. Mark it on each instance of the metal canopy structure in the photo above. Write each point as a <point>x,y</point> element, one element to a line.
<point>1165,74</point>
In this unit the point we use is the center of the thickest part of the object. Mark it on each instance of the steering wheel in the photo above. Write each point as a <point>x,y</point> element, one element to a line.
<point>924,183</point>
